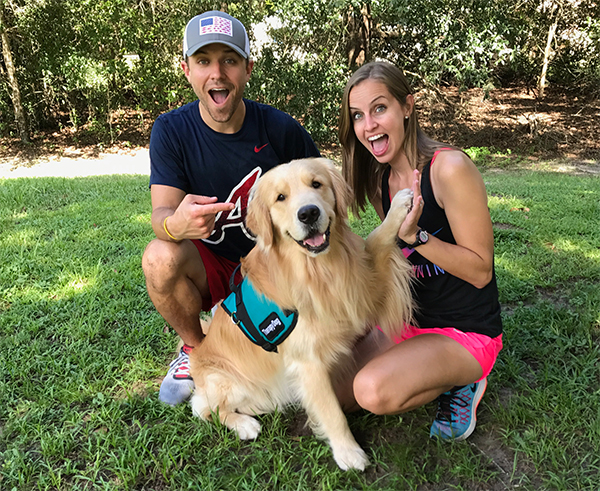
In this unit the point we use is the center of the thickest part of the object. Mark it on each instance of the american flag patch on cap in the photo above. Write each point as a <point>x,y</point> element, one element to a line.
<point>216,25</point>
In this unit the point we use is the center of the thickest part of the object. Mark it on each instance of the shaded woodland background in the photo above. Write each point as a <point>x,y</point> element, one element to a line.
<point>510,76</point>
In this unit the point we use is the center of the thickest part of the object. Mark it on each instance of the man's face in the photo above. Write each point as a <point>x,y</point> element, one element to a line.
<point>218,75</point>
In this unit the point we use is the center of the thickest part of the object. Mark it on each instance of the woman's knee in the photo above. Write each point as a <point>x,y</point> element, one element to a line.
<point>372,392</point>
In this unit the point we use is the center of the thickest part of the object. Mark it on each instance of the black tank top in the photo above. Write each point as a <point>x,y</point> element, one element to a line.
<point>444,300</point>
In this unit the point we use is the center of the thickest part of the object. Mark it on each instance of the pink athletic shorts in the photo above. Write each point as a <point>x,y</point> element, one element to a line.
<point>482,347</point>
<point>218,272</point>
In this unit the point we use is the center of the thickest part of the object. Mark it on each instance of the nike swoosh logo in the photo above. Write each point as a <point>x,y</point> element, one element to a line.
<point>258,149</point>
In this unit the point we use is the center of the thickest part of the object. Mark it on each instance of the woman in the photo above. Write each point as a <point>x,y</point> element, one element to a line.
<point>448,238</point>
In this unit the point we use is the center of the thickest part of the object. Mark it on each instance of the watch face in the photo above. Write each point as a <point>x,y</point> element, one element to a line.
<point>423,236</point>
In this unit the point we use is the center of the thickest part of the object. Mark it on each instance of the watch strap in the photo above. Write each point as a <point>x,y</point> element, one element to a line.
<point>418,240</point>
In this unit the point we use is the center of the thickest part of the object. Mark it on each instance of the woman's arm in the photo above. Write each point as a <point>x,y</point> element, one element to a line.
<point>460,191</point>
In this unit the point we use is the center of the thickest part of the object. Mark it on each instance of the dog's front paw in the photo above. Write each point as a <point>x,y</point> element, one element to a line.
<point>351,458</point>
<point>402,199</point>
<point>245,426</point>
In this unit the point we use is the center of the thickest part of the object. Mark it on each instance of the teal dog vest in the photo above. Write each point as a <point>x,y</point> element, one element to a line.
<point>260,319</point>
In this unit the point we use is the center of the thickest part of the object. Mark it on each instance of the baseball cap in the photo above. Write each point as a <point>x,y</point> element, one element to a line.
<point>215,27</point>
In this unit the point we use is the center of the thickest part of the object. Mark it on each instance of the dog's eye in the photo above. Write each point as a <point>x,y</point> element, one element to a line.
<point>316,184</point>
<point>280,197</point>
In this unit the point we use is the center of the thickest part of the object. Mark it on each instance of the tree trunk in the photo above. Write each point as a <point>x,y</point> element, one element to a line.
<point>359,26</point>
<point>12,80</point>
<point>548,54</point>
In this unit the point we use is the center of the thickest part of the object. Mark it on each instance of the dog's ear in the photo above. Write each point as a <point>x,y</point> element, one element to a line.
<point>258,218</point>
<point>341,190</point>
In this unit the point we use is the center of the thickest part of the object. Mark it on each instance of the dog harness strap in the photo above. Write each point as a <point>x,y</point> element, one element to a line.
<point>232,285</point>
<point>260,319</point>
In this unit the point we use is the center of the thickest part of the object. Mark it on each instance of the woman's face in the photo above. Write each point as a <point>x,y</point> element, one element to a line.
<point>378,119</point>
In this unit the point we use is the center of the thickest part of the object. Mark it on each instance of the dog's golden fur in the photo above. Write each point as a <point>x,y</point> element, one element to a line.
<point>339,287</point>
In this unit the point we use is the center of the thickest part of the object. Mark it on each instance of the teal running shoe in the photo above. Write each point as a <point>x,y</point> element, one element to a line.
<point>456,415</point>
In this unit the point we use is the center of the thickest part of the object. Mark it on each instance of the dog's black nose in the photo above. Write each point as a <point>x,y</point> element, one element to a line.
<point>309,214</point>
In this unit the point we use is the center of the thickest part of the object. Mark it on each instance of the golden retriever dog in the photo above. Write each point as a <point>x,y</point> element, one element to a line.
<point>306,259</point>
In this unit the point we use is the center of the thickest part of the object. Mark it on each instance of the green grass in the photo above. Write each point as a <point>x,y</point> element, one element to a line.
<point>82,350</point>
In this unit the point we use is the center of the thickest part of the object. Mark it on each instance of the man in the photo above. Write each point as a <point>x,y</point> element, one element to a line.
<point>205,157</point>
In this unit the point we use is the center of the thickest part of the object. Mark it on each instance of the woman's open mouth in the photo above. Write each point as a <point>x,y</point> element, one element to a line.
<point>379,144</point>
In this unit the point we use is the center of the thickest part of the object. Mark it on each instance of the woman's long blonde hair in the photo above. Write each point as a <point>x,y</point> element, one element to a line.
<point>361,170</point>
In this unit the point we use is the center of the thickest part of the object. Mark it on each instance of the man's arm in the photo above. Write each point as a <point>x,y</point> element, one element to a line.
<point>165,200</point>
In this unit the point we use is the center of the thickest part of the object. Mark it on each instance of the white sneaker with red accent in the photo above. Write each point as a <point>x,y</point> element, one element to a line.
<point>178,385</point>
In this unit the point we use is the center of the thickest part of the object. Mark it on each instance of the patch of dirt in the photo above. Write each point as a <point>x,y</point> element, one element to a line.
<point>505,226</point>
<point>298,426</point>
<point>512,472</point>
<point>129,132</point>
<point>524,131</point>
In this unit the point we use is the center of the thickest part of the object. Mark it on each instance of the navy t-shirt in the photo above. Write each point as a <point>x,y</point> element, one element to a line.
<point>187,154</point>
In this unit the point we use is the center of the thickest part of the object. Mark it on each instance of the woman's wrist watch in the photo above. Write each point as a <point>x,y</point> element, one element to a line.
<point>422,238</point>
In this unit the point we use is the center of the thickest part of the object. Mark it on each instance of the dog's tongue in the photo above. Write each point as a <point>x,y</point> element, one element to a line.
<point>315,241</point>
<point>379,144</point>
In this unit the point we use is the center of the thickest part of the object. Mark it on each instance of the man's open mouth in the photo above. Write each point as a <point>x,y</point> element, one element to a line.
<point>316,243</point>
<point>219,96</point>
